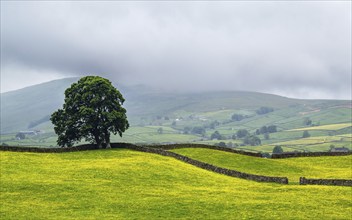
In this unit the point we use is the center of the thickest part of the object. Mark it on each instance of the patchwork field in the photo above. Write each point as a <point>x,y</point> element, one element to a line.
<point>163,117</point>
<point>331,127</point>
<point>125,184</point>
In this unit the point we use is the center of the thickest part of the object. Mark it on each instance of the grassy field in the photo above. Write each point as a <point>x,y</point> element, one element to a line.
<point>124,184</point>
<point>293,168</point>
<point>330,127</point>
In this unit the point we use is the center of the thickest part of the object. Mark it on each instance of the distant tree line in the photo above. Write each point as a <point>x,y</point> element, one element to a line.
<point>197,130</point>
<point>266,129</point>
<point>238,117</point>
<point>264,110</point>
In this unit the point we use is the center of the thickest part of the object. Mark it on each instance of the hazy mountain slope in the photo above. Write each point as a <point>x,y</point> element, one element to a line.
<point>21,107</point>
<point>33,105</point>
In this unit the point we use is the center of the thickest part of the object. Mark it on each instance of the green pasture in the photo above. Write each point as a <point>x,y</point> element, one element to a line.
<point>124,184</point>
<point>293,168</point>
<point>316,140</point>
<point>330,127</point>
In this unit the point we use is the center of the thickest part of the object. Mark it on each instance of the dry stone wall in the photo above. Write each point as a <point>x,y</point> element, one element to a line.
<point>48,150</point>
<point>206,166</point>
<point>333,182</point>
<point>178,146</point>
<point>309,154</point>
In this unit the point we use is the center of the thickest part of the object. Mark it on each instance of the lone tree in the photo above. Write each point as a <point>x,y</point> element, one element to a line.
<point>278,150</point>
<point>92,110</point>
<point>305,134</point>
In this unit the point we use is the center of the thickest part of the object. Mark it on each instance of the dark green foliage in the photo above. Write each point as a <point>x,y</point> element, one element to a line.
<point>237,117</point>
<point>216,135</point>
<point>251,140</point>
<point>265,154</point>
<point>266,129</point>
<point>277,150</point>
<point>187,130</point>
<point>242,133</point>
<point>20,136</point>
<point>92,110</point>
<point>263,130</point>
<point>307,121</point>
<point>222,144</point>
<point>214,124</point>
<point>266,136</point>
<point>160,130</point>
<point>198,130</point>
<point>272,129</point>
<point>264,110</point>
<point>305,134</point>
<point>257,132</point>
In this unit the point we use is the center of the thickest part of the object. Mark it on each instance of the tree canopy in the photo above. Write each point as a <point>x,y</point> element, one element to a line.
<point>92,110</point>
<point>277,150</point>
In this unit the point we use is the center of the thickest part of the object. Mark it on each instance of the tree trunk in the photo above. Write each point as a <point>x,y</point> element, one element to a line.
<point>107,140</point>
<point>98,141</point>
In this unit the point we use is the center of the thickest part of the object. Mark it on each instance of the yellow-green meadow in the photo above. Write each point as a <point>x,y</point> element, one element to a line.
<point>125,184</point>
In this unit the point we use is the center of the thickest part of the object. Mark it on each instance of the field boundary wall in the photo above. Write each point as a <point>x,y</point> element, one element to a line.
<point>206,166</point>
<point>329,182</point>
<point>179,146</point>
<point>309,154</point>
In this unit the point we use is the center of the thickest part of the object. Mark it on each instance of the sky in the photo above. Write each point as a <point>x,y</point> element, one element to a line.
<point>299,49</point>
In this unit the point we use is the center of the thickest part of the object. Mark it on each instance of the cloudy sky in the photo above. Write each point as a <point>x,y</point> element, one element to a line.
<point>296,49</point>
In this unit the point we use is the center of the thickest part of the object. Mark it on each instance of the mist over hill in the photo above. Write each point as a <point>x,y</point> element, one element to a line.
<point>30,107</point>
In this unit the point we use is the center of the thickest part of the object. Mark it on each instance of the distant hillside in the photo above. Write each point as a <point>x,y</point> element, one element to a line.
<point>31,107</point>
<point>24,106</point>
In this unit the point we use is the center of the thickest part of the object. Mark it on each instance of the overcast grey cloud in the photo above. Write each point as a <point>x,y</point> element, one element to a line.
<point>297,49</point>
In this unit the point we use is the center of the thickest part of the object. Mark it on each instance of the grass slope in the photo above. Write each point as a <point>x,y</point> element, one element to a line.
<point>331,127</point>
<point>293,168</point>
<point>124,184</point>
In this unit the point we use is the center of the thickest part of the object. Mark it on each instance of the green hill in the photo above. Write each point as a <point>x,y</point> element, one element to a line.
<point>178,113</point>
<point>124,184</point>
<point>22,107</point>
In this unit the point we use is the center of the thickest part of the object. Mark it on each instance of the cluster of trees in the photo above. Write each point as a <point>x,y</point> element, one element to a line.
<point>229,144</point>
<point>248,139</point>
<point>238,117</point>
<point>266,129</point>
<point>198,130</point>
<point>241,133</point>
<point>264,110</point>
<point>20,136</point>
<point>216,135</point>
<point>212,125</point>
<point>252,140</point>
